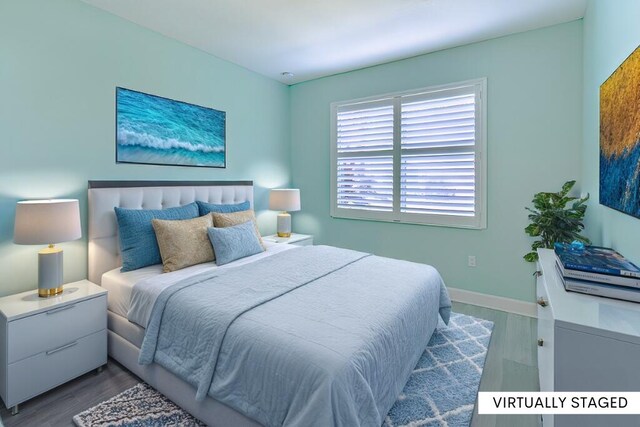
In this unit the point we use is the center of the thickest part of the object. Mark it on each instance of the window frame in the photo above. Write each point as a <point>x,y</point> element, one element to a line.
<point>479,220</point>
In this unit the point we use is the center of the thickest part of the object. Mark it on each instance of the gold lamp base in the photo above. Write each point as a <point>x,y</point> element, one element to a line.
<point>49,292</point>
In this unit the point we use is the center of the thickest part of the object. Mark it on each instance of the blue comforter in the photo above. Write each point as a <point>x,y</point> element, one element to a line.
<point>312,336</point>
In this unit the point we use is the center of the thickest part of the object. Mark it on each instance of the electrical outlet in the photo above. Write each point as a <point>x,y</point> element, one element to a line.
<point>472,261</point>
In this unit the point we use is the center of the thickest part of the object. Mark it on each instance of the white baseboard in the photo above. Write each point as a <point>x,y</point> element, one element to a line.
<point>509,305</point>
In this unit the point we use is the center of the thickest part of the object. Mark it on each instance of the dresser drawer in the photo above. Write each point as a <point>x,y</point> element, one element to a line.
<point>37,374</point>
<point>545,336</point>
<point>61,325</point>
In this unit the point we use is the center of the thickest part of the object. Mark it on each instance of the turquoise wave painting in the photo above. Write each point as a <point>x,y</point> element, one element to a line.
<point>160,131</point>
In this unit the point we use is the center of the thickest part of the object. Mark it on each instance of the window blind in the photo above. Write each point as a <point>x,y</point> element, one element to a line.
<point>364,175</point>
<point>369,129</point>
<point>438,156</point>
<point>440,122</point>
<point>411,157</point>
<point>366,183</point>
<point>438,184</point>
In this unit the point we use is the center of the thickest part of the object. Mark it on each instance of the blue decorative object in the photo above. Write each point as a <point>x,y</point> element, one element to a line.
<point>138,244</point>
<point>443,387</point>
<point>206,208</point>
<point>232,243</point>
<point>575,246</point>
<point>161,131</point>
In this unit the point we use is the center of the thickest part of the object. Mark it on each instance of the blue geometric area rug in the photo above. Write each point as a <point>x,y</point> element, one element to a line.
<point>443,387</point>
<point>441,391</point>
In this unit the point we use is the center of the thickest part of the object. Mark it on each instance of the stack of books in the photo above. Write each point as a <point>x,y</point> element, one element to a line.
<point>598,271</point>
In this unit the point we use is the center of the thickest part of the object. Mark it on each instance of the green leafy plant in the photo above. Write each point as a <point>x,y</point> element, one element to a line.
<point>553,221</point>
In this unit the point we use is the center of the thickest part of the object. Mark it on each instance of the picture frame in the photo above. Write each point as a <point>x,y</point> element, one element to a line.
<point>620,137</point>
<point>155,130</point>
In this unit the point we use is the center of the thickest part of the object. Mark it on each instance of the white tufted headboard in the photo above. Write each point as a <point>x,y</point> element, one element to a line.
<point>104,247</point>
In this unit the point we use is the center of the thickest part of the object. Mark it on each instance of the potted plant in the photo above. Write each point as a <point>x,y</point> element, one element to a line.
<point>555,217</point>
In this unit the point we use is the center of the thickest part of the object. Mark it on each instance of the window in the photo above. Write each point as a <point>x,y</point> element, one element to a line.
<point>414,157</point>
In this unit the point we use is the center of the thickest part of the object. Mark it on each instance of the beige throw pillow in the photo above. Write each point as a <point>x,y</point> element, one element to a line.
<point>222,220</point>
<point>183,243</point>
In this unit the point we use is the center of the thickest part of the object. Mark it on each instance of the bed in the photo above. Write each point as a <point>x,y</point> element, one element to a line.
<point>332,347</point>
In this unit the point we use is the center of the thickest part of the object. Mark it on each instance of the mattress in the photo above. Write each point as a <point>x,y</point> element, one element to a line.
<point>127,330</point>
<point>120,285</point>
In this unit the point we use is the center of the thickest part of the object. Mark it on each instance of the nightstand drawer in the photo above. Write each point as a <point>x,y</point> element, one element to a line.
<point>60,325</point>
<point>305,242</point>
<point>37,374</point>
<point>295,239</point>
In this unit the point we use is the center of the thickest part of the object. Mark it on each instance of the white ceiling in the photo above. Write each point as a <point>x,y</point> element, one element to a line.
<point>316,38</point>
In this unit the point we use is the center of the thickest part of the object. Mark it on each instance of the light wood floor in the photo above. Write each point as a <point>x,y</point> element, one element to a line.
<point>510,366</point>
<point>512,362</point>
<point>58,406</point>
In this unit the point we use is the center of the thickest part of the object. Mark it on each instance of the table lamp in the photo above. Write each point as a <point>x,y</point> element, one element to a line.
<point>285,200</point>
<point>47,222</point>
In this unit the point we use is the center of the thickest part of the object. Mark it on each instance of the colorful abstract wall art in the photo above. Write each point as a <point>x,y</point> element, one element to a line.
<point>620,138</point>
<point>160,131</point>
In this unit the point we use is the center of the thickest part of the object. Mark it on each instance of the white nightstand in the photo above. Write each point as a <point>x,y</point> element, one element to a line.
<point>295,239</point>
<point>49,341</point>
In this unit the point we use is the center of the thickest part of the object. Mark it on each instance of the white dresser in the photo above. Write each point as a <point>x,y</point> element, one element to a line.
<point>585,343</point>
<point>49,341</point>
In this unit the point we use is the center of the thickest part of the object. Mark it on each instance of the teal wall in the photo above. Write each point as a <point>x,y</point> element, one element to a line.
<point>611,33</point>
<point>60,62</point>
<point>534,144</point>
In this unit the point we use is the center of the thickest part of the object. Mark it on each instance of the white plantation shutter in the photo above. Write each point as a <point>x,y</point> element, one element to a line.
<point>413,157</point>
<point>366,128</point>
<point>438,137</point>
<point>365,183</point>
<point>446,121</point>
<point>364,177</point>
<point>438,184</point>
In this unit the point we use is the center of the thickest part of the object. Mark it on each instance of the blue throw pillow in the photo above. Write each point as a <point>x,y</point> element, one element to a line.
<point>206,208</point>
<point>232,243</point>
<point>138,244</point>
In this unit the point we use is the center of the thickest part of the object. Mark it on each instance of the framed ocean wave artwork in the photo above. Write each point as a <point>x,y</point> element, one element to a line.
<point>154,130</point>
<point>620,137</point>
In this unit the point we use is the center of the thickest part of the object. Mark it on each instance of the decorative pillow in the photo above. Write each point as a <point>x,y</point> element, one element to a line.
<point>206,208</point>
<point>138,244</point>
<point>222,220</point>
<point>183,242</point>
<point>234,242</point>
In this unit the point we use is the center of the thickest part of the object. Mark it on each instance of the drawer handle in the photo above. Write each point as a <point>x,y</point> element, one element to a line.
<point>542,302</point>
<point>58,310</point>
<point>540,342</point>
<point>64,347</point>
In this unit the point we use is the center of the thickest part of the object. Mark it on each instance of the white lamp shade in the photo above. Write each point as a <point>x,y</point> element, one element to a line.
<point>40,222</point>
<point>284,199</point>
